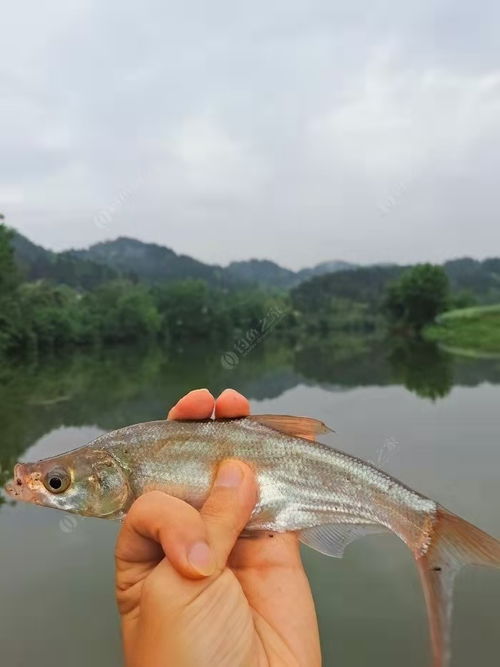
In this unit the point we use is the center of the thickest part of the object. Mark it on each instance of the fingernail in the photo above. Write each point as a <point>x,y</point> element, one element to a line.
<point>229,474</point>
<point>201,558</point>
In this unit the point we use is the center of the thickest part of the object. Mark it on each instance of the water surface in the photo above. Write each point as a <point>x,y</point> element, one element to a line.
<point>428,419</point>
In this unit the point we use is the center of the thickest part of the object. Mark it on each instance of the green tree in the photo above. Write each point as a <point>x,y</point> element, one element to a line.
<point>8,271</point>
<point>51,316</point>
<point>9,279</point>
<point>190,309</point>
<point>422,367</point>
<point>417,297</point>
<point>120,311</point>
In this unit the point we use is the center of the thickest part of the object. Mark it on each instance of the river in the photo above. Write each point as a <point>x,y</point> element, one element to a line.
<point>430,419</point>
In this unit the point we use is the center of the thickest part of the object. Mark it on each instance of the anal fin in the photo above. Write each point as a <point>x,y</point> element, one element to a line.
<point>332,539</point>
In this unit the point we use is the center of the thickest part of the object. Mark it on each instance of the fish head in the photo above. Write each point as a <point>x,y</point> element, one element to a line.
<point>87,482</point>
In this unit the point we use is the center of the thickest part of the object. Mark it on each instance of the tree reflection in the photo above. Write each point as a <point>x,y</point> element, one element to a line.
<point>422,367</point>
<point>344,361</point>
<point>111,388</point>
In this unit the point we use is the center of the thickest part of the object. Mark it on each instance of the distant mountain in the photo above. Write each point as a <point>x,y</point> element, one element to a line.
<point>28,253</point>
<point>262,272</point>
<point>35,263</point>
<point>325,267</point>
<point>362,284</point>
<point>267,273</point>
<point>149,261</point>
<point>367,284</point>
<point>153,263</point>
<point>480,277</point>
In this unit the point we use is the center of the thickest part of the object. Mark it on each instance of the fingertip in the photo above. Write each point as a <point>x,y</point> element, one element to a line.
<point>202,559</point>
<point>229,474</point>
<point>197,404</point>
<point>239,477</point>
<point>231,404</point>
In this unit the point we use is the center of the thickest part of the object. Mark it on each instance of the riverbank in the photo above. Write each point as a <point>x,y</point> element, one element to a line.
<point>468,331</point>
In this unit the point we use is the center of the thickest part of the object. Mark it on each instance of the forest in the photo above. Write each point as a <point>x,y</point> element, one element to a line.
<point>126,292</point>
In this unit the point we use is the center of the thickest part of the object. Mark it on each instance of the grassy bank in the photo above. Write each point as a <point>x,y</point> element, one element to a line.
<point>474,331</point>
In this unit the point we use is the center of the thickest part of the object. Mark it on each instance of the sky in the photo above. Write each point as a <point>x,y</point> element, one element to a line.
<point>295,130</point>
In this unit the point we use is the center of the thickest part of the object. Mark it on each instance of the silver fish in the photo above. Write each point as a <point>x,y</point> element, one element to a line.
<point>327,496</point>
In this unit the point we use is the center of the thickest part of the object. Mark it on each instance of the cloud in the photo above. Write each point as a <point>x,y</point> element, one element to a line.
<point>392,125</point>
<point>211,164</point>
<point>300,131</point>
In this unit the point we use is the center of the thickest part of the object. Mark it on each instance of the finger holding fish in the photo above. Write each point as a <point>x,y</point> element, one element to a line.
<point>231,404</point>
<point>200,404</point>
<point>229,506</point>
<point>195,543</point>
<point>159,525</point>
<point>197,404</point>
<point>268,566</point>
<point>165,538</point>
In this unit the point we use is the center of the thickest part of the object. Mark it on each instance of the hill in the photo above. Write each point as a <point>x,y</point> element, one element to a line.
<point>479,280</point>
<point>35,263</point>
<point>155,263</point>
<point>362,285</point>
<point>321,269</point>
<point>151,263</point>
<point>262,272</point>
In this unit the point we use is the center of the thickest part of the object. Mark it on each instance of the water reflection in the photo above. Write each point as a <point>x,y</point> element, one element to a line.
<point>370,605</point>
<point>111,388</point>
<point>422,368</point>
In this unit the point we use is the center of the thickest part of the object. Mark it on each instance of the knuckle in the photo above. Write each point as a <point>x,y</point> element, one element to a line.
<point>146,500</point>
<point>153,592</point>
<point>137,508</point>
<point>145,507</point>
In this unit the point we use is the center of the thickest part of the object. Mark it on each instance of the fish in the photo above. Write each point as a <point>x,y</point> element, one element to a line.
<point>328,497</point>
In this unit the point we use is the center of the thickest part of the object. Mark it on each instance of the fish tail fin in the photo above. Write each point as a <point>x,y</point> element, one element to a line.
<point>454,543</point>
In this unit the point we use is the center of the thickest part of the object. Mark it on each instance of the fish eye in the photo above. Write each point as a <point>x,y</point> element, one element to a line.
<point>57,480</point>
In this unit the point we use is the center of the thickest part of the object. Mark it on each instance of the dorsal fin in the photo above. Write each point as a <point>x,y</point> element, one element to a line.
<point>303,427</point>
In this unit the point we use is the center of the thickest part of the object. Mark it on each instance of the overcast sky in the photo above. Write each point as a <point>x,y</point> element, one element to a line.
<point>298,130</point>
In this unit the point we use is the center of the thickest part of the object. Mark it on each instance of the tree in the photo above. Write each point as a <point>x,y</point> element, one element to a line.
<point>190,310</point>
<point>9,279</point>
<point>419,295</point>
<point>422,367</point>
<point>8,272</point>
<point>120,311</point>
<point>51,316</point>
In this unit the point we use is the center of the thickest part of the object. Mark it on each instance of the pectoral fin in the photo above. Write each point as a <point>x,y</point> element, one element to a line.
<point>332,539</point>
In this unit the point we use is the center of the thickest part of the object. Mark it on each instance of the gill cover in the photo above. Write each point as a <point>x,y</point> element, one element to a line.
<point>112,494</point>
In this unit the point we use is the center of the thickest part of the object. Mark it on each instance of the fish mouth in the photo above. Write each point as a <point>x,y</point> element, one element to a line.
<point>14,486</point>
<point>22,485</point>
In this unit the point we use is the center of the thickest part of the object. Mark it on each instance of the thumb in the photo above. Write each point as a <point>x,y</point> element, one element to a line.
<point>229,507</point>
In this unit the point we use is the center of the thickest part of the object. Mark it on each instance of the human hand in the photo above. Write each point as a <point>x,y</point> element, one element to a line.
<point>192,594</point>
